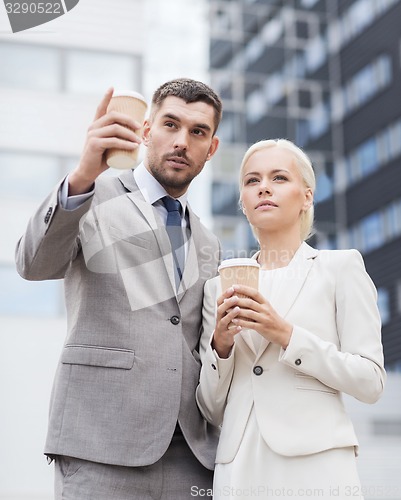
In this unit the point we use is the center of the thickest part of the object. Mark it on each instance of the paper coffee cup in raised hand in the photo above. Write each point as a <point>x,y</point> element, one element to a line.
<point>132,104</point>
<point>242,271</point>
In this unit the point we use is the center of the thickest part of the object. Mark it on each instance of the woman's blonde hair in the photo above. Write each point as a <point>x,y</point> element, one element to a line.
<point>304,165</point>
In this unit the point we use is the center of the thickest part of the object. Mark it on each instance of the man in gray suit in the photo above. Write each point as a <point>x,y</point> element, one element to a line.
<point>123,417</point>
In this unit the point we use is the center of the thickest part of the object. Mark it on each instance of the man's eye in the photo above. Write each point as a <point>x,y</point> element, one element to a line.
<point>198,131</point>
<point>169,124</point>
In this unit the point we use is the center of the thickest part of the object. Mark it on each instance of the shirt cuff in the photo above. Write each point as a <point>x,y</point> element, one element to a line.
<point>72,202</point>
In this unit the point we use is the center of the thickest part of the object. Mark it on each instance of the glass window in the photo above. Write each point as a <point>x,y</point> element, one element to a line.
<point>359,16</point>
<point>334,37</point>
<point>255,106</point>
<point>340,174</point>
<point>395,139</point>
<point>308,3</point>
<point>319,120</point>
<point>363,86</point>
<point>222,19</point>
<point>274,88</point>
<point>272,31</point>
<point>382,71</point>
<point>28,176</point>
<point>399,296</point>
<point>393,220</point>
<point>92,72</point>
<point>254,50</point>
<point>29,67</point>
<point>28,298</point>
<point>225,198</point>
<point>302,132</point>
<point>383,303</point>
<point>316,53</point>
<point>368,157</point>
<point>366,83</point>
<point>324,187</point>
<point>384,146</point>
<point>372,231</point>
<point>353,239</point>
<point>337,104</point>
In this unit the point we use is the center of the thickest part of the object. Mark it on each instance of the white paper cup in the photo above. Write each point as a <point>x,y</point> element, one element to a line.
<point>239,272</point>
<point>132,104</point>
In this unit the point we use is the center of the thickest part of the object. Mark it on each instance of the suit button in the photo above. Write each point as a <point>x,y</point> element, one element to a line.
<point>175,320</point>
<point>48,215</point>
<point>258,370</point>
<point>298,362</point>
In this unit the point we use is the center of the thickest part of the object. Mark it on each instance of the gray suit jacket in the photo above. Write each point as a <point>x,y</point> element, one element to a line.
<point>130,364</point>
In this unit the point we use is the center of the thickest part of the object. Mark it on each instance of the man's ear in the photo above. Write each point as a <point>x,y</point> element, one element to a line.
<point>146,132</point>
<point>213,147</point>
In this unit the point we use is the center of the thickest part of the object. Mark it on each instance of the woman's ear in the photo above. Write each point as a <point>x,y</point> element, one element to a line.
<point>308,200</point>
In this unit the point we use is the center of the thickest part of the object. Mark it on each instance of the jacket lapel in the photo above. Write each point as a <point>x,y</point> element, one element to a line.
<point>191,268</point>
<point>291,284</point>
<point>152,217</point>
<point>294,279</point>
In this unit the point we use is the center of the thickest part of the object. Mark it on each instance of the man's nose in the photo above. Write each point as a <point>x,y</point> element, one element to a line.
<point>181,139</point>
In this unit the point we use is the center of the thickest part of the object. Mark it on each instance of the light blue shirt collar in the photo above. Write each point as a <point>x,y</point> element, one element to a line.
<point>151,189</point>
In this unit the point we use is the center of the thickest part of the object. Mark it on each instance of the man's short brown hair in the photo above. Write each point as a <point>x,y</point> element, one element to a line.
<point>190,91</point>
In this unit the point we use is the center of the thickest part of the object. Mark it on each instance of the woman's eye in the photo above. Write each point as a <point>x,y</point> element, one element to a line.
<point>280,178</point>
<point>252,180</point>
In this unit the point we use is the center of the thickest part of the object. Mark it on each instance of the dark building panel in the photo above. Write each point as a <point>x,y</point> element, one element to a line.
<point>322,143</point>
<point>374,192</point>
<point>319,6</point>
<point>325,211</point>
<point>222,51</point>
<point>268,127</point>
<point>384,267</point>
<point>343,5</point>
<point>322,74</point>
<point>382,36</point>
<point>392,341</point>
<point>268,62</point>
<point>382,110</point>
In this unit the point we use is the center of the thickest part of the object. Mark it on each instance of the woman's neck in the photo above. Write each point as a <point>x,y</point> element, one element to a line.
<point>277,251</point>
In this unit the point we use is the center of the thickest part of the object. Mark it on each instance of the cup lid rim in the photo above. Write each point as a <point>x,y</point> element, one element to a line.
<point>129,93</point>
<point>238,262</point>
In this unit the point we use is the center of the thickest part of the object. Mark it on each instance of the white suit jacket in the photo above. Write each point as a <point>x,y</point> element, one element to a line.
<point>335,347</point>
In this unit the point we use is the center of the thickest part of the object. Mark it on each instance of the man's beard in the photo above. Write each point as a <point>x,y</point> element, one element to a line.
<point>167,178</point>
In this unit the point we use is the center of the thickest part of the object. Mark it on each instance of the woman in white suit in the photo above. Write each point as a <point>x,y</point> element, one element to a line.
<point>275,363</point>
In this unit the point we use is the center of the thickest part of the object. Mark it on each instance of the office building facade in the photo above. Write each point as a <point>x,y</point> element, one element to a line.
<point>327,75</point>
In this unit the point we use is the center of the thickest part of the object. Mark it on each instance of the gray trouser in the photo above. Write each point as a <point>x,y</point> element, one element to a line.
<point>176,476</point>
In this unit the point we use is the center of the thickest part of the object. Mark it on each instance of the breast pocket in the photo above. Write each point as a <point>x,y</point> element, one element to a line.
<point>88,355</point>
<point>133,239</point>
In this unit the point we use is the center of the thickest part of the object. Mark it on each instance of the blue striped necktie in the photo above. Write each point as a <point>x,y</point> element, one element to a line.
<point>174,231</point>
